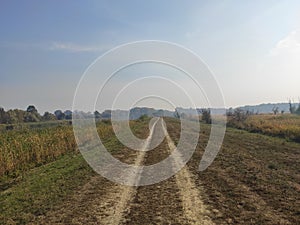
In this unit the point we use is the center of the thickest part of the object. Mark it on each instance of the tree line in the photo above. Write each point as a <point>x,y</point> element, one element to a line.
<point>31,114</point>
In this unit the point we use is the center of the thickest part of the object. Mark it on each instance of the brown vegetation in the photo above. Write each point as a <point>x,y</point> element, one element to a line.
<point>286,126</point>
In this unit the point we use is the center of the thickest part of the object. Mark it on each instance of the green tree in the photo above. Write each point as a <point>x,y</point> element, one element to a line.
<point>11,117</point>
<point>59,115</point>
<point>68,114</point>
<point>20,115</point>
<point>32,114</point>
<point>32,117</point>
<point>31,109</point>
<point>48,116</point>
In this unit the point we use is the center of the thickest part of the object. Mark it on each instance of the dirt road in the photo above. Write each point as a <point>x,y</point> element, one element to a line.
<point>176,200</point>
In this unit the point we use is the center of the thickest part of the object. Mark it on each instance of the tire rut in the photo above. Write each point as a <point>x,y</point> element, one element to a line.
<point>193,206</point>
<point>172,201</point>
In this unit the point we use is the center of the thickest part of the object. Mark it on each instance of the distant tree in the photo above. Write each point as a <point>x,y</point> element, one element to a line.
<point>97,115</point>
<point>2,115</point>
<point>275,110</point>
<point>68,114</point>
<point>291,107</point>
<point>59,115</point>
<point>32,117</point>
<point>206,116</point>
<point>11,117</point>
<point>31,109</point>
<point>297,111</point>
<point>176,114</point>
<point>48,116</point>
<point>158,113</point>
<point>106,114</point>
<point>20,115</point>
<point>240,115</point>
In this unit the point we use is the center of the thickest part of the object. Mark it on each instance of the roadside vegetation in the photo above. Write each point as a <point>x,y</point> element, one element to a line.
<point>24,149</point>
<point>42,167</point>
<point>282,125</point>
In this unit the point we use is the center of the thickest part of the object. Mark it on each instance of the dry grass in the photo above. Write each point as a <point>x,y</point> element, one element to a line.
<point>286,126</point>
<point>24,149</point>
<point>21,150</point>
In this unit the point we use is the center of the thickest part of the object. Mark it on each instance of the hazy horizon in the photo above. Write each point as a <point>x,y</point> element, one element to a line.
<point>146,106</point>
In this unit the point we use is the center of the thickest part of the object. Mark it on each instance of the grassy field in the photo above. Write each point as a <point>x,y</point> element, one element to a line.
<point>40,189</point>
<point>253,180</point>
<point>285,126</point>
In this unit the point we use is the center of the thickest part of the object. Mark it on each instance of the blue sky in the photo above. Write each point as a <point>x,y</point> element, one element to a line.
<point>253,47</point>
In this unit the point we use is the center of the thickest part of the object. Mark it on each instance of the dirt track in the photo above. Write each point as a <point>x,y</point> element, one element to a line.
<point>176,200</point>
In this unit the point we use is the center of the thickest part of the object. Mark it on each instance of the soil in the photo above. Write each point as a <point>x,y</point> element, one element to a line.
<point>177,200</point>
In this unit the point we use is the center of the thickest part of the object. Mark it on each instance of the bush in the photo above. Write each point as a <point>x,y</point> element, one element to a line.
<point>206,116</point>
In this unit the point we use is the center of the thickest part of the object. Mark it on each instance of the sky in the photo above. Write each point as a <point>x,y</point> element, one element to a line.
<point>252,47</point>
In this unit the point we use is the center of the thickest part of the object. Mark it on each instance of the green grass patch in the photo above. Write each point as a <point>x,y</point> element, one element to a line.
<point>40,189</point>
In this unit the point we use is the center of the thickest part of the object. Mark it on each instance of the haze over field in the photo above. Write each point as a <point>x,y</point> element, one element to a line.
<point>252,47</point>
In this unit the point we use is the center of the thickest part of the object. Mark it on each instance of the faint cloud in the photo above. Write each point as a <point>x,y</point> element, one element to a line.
<point>289,44</point>
<point>55,46</point>
<point>281,66</point>
<point>71,47</point>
